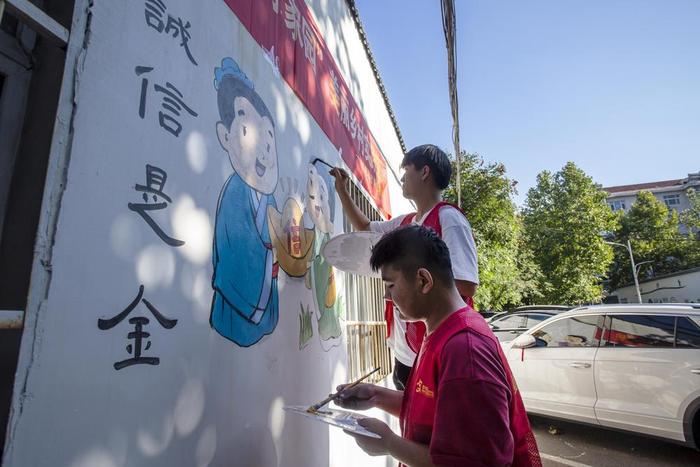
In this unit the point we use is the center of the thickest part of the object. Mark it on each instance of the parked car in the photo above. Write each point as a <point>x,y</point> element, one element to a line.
<point>508,326</point>
<point>629,367</point>
<point>488,314</point>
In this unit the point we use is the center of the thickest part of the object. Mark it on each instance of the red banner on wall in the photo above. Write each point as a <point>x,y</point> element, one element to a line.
<point>290,37</point>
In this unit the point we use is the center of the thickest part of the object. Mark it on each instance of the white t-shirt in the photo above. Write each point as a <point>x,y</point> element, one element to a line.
<point>457,235</point>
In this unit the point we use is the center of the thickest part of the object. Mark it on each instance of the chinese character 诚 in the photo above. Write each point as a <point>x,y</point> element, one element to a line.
<point>138,335</point>
<point>157,19</point>
<point>155,182</point>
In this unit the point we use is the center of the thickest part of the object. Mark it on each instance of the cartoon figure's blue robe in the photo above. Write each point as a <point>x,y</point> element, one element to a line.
<point>245,304</point>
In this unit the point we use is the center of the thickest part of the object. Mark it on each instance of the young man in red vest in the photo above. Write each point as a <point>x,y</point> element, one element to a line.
<point>461,405</point>
<point>427,173</point>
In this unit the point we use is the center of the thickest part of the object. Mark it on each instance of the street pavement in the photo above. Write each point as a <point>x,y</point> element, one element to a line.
<point>570,444</point>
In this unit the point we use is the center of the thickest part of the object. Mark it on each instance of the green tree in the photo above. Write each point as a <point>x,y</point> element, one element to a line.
<point>691,217</point>
<point>653,232</point>
<point>507,274</point>
<point>564,216</point>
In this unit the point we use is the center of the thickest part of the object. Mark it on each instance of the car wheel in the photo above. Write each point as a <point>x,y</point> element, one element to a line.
<point>696,430</point>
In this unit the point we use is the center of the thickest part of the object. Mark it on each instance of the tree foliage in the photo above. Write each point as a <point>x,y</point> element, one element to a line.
<point>507,273</point>
<point>653,232</point>
<point>691,216</point>
<point>564,217</point>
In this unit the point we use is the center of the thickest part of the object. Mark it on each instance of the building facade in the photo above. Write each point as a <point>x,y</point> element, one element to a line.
<point>677,287</point>
<point>163,210</point>
<point>673,193</point>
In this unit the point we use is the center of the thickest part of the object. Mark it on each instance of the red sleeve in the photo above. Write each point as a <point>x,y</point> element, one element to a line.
<point>472,423</point>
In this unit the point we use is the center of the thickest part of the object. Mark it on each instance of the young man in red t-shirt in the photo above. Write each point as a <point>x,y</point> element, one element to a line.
<point>460,406</point>
<point>427,172</point>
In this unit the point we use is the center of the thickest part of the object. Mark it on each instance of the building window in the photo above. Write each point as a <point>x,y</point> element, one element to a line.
<point>673,200</point>
<point>617,204</point>
<point>365,324</point>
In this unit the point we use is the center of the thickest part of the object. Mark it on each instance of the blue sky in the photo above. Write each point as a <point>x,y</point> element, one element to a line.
<point>611,85</point>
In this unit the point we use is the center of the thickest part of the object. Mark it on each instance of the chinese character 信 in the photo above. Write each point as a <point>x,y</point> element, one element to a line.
<point>172,103</point>
<point>138,335</point>
<point>155,182</point>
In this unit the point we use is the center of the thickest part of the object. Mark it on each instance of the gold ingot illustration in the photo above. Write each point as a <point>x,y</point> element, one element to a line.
<point>330,293</point>
<point>291,240</point>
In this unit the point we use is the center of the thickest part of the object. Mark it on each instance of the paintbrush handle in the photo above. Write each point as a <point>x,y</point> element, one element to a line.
<point>322,162</point>
<point>349,386</point>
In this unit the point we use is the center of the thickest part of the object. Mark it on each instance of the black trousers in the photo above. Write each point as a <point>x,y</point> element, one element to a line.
<point>400,375</point>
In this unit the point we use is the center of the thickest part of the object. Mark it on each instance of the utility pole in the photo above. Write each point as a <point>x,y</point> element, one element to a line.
<point>634,267</point>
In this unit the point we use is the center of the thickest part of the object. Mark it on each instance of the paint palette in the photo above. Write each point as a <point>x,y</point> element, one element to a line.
<point>350,252</point>
<point>348,421</point>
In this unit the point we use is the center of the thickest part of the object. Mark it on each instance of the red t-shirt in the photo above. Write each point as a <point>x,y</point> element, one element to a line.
<point>457,397</point>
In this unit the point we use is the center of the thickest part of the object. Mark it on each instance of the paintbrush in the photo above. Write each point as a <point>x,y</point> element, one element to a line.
<point>318,159</point>
<point>314,408</point>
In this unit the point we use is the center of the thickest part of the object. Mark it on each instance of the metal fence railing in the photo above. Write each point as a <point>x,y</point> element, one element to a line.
<point>365,325</point>
<point>367,350</point>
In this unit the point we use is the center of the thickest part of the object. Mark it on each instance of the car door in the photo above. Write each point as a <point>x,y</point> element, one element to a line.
<point>644,376</point>
<point>556,377</point>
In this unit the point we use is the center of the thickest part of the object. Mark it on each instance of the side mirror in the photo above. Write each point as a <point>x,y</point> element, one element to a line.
<point>524,341</point>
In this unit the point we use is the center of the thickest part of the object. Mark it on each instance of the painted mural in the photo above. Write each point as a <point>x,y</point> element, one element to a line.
<point>253,240</point>
<point>204,285</point>
<point>245,303</point>
<point>321,209</point>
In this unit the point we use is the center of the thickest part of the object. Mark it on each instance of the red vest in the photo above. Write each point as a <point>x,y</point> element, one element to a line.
<point>415,331</point>
<point>419,400</point>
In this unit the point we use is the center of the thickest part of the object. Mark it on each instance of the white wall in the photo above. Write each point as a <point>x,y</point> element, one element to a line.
<point>682,288</point>
<point>208,401</point>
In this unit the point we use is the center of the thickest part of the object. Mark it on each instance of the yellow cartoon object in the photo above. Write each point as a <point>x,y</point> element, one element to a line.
<point>291,241</point>
<point>330,293</point>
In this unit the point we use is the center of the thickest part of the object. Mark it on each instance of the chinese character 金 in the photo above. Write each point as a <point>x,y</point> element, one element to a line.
<point>155,182</point>
<point>138,335</point>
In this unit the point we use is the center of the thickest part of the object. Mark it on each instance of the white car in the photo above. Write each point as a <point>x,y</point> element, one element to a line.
<point>629,367</point>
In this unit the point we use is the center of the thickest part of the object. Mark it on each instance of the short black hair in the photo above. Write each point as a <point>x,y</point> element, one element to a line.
<point>232,87</point>
<point>412,247</point>
<point>433,157</point>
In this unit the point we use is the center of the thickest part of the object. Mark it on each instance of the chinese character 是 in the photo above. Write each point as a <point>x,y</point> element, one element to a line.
<point>155,182</point>
<point>138,335</point>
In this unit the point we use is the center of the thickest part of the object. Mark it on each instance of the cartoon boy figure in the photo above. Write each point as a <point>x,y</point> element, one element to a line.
<point>245,304</point>
<point>320,206</point>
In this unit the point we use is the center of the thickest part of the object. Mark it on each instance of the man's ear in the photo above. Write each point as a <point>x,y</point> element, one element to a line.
<point>425,280</point>
<point>223,134</point>
<point>425,173</point>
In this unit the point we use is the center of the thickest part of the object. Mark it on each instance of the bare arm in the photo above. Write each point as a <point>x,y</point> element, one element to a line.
<point>358,220</point>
